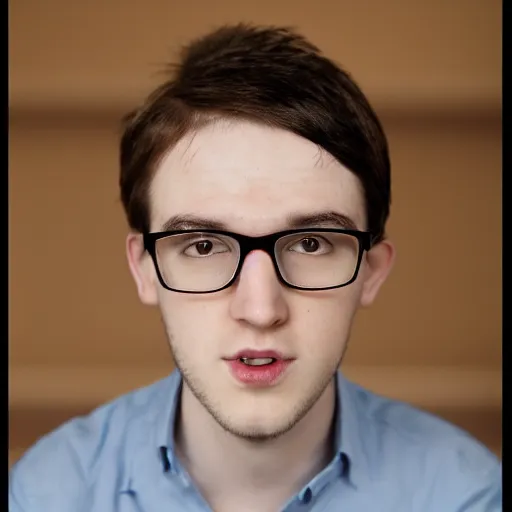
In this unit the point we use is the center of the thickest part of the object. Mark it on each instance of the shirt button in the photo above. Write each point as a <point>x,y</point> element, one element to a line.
<point>306,498</point>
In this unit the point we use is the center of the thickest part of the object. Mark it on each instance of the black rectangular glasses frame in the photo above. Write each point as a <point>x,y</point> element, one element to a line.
<point>264,243</point>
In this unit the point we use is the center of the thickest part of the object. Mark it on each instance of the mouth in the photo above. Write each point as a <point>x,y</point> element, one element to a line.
<point>257,361</point>
<point>258,368</point>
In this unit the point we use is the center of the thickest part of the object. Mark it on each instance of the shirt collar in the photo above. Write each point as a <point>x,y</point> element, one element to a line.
<point>348,428</point>
<point>153,411</point>
<point>166,424</point>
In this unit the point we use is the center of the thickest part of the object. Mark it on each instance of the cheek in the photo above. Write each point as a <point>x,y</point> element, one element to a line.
<point>191,323</point>
<point>323,325</point>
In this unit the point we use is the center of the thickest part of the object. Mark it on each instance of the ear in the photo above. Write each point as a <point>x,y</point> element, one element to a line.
<point>378,263</point>
<point>142,269</point>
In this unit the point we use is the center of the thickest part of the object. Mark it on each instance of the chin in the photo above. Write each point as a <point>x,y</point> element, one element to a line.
<point>259,419</point>
<point>259,431</point>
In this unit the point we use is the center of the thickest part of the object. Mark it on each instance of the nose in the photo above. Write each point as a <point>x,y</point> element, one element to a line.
<point>258,297</point>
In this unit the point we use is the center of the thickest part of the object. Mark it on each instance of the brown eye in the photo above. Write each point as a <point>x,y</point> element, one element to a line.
<point>310,244</point>
<point>204,248</point>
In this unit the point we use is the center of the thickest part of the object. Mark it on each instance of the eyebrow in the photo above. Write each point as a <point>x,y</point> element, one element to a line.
<point>182,222</point>
<point>321,219</point>
<point>293,221</point>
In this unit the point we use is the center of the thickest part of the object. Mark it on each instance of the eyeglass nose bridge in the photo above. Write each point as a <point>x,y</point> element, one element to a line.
<point>266,244</point>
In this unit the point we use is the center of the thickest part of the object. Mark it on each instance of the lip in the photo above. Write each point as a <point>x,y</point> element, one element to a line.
<point>258,354</point>
<point>259,376</point>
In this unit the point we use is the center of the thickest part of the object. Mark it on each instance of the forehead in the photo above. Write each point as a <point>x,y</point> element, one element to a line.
<point>251,178</point>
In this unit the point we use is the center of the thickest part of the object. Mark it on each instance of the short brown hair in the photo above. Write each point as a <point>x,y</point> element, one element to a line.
<point>270,75</point>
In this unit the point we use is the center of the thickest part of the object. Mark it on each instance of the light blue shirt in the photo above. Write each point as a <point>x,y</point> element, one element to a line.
<point>389,457</point>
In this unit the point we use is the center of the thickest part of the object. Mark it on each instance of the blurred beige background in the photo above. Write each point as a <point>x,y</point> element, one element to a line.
<point>78,335</point>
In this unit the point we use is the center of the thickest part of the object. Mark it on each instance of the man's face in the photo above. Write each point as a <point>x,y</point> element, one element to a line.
<point>252,179</point>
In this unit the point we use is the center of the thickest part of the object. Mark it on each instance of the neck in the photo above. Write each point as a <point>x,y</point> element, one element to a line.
<point>225,467</point>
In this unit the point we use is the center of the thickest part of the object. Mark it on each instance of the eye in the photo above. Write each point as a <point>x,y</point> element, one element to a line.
<point>311,245</point>
<point>205,247</point>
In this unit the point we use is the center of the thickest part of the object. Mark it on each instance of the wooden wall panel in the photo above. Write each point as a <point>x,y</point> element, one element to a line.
<point>434,54</point>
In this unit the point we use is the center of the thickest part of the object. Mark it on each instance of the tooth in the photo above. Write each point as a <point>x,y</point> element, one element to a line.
<point>257,361</point>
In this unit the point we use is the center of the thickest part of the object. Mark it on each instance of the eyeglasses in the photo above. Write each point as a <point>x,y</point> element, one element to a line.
<point>207,261</point>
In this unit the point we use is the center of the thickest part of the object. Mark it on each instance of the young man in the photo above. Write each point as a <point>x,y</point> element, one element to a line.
<point>256,183</point>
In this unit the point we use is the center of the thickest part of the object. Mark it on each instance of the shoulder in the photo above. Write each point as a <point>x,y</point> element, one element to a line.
<point>57,471</point>
<point>426,452</point>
